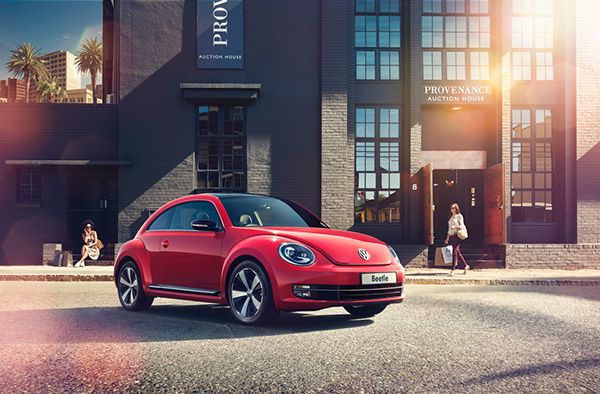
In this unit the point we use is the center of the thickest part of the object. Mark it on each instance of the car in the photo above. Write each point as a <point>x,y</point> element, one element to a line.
<point>258,254</point>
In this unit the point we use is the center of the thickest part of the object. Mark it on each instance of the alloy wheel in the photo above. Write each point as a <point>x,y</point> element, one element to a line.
<point>247,292</point>
<point>128,286</point>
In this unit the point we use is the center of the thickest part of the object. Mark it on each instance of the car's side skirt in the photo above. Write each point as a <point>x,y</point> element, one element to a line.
<point>182,289</point>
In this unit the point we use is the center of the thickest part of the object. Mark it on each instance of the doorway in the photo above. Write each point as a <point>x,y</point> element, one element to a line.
<point>464,187</point>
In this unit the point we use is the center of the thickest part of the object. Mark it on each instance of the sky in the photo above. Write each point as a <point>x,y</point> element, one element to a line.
<point>49,25</point>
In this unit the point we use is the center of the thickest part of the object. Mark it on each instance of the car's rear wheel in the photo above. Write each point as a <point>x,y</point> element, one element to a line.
<point>250,295</point>
<point>131,292</point>
<point>364,311</point>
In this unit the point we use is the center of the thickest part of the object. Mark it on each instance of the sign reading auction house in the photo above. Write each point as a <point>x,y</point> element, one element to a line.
<point>457,94</point>
<point>220,34</point>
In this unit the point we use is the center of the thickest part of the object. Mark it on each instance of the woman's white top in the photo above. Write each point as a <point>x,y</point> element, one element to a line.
<point>455,220</point>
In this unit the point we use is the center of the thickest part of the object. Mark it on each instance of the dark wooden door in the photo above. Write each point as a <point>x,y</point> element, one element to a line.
<point>493,194</point>
<point>427,171</point>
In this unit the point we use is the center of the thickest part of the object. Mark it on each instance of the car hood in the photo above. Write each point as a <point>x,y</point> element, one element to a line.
<point>339,246</point>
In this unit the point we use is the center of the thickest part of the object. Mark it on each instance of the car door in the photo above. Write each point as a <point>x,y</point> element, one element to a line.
<point>153,237</point>
<point>191,258</point>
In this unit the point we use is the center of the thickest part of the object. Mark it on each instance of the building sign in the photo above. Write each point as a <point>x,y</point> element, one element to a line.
<point>457,94</point>
<point>220,34</point>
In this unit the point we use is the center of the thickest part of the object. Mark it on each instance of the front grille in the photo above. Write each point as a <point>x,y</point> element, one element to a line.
<point>348,292</point>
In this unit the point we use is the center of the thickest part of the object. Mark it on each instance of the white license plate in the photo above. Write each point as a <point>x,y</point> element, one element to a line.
<point>378,278</point>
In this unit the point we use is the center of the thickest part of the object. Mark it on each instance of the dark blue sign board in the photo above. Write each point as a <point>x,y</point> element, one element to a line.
<point>220,34</point>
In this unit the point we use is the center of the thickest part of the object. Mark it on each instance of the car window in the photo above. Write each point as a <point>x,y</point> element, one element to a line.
<point>163,221</point>
<point>253,211</point>
<point>184,214</point>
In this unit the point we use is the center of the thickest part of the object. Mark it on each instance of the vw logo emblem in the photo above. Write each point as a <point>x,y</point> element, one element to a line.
<point>363,254</point>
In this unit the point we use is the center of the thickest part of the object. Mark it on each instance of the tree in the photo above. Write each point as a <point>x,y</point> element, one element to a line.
<point>25,62</point>
<point>50,91</point>
<point>89,60</point>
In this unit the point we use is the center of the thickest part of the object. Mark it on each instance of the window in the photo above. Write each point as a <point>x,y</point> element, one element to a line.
<point>456,66</point>
<point>432,33</point>
<point>221,148</point>
<point>521,66</point>
<point>377,165</point>
<point>532,30</point>
<point>377,27</point>
<point>365,65</point>
<point>184,214</point>
<point>389,65</point>
<point>162,222</point>
<point>479,6</point>
<point>543,66</point>
<point>455,6</point>
<point>432,6</point>
<point>29,185</point>
<point>480,66</point>
<point>432,65</point>
<point>479,32</point>
<point>456,32</point>
<point>532,165</point>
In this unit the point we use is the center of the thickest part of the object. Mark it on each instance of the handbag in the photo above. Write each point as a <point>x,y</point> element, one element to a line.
<point>99,244</point>
<point>447,254</point>
<point>463,233</point>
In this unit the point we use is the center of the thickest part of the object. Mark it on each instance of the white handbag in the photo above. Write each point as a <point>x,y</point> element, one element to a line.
<point>463,233</point>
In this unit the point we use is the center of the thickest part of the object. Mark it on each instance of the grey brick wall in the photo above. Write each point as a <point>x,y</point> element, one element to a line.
<point>337,153</point>
<point>553,256</point>
<point>588,120</point>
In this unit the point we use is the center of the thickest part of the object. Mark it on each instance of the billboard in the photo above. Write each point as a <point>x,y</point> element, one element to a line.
<point>220,34</point>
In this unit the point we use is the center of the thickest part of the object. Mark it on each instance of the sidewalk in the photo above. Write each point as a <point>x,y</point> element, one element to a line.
<point>422,276</point>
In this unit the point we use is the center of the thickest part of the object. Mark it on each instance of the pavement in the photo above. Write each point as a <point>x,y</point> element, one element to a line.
<point>73,337</point>
<point>425,276</point>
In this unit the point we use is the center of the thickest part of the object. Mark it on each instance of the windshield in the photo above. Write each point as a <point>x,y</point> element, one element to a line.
<point>256,211</point>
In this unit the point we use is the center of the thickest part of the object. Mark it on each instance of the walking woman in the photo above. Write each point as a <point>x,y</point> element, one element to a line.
<point>456,225</point>
<point>91,244</point>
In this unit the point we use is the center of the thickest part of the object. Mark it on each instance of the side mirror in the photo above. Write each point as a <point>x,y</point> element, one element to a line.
<point>205,225</point>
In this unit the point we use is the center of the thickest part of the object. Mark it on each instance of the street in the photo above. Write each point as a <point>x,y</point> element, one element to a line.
<point>74,337</point>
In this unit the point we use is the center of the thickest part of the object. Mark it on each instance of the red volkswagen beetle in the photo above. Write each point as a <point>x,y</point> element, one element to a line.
<point>259,254</point>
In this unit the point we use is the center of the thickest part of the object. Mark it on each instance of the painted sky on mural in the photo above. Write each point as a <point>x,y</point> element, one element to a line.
<point>49,25</point>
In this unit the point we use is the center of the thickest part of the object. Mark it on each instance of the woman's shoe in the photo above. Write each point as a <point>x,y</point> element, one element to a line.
<point>467,268</point>
<point>451,273</point>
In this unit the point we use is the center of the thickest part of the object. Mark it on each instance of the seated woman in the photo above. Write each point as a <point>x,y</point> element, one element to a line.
<point>91,247</point>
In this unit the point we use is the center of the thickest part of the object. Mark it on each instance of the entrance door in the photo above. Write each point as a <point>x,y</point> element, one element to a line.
<point>464,187</point>
<point>495,224</point>
<point>428,229</point>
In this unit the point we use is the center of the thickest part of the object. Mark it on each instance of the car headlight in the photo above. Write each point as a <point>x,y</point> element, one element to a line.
<point>296,254</point>
<point>393,252</point>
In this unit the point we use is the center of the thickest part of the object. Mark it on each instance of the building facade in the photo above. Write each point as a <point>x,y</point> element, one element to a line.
<point>81,96</point>
<point>374,114</point>
<point>61,65</point>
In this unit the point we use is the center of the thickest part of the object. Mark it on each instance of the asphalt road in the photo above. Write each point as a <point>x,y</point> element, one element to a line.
<point>74,337</point>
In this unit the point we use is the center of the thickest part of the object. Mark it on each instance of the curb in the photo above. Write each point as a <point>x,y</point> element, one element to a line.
<point>409,280</point>
<point>503,282</point>
<point>57,277</point>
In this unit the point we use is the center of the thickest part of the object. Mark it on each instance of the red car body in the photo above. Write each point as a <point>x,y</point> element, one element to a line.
<point>195,265</point>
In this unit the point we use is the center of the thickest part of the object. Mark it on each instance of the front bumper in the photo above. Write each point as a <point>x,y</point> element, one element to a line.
<point>326,285</point>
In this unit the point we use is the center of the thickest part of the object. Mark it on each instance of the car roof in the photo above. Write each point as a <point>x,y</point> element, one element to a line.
<point>230,195</point>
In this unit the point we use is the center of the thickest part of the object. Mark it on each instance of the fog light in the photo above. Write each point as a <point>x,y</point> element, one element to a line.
<point>301,291</point>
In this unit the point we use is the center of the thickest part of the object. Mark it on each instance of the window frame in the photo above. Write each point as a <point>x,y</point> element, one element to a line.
<point>171,210</point>
<point>32,198</point>
<point>377,140</point>
<point>220,137</point>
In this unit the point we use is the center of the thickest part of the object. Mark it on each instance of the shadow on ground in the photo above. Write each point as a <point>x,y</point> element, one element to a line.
<point>160,323</point>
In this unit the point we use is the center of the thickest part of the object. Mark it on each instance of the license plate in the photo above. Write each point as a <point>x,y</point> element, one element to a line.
<point>378,278</point>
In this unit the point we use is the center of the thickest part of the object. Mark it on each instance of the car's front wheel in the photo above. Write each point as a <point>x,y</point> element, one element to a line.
<point>364,311</point>
<point>129,285</point>
<point>250,295</point>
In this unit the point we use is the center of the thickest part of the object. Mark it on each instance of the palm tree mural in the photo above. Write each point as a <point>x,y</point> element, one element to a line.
<point>89,60</point>
<point>25,62</point>
<point>50,91</point>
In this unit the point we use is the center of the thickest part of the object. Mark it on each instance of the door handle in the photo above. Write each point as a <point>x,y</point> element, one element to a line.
<point>165,244</point>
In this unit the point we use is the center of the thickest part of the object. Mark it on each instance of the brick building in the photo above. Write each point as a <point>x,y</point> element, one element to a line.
<point>375,114</point>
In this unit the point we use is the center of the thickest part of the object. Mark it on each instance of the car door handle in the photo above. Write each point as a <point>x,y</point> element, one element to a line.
<point>165,244</point>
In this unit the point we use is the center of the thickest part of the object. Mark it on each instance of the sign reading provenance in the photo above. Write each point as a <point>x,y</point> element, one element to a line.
<point>220,34</point>
<point>457,94</point>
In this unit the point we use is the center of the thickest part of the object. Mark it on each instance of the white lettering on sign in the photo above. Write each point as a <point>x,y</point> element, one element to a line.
<point>220,25</point>
<point>440,94</point>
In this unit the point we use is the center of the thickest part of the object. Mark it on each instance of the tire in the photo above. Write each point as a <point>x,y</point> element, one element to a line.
<point>364,311</point>
<point>250,295</point>
<point>130,290</point>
